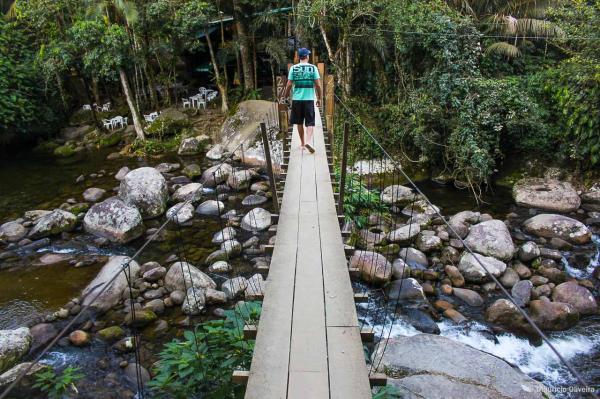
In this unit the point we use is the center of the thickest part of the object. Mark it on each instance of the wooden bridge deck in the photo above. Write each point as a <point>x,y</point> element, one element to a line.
<point>308,343</point>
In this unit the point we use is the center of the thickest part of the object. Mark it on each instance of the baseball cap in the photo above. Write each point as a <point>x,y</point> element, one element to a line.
<point>303,52</point>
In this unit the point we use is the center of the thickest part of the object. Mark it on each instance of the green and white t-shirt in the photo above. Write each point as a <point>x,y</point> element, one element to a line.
<point>303,75</point>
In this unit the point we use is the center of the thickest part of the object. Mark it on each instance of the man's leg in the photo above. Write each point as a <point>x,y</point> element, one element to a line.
<point>300,128</point>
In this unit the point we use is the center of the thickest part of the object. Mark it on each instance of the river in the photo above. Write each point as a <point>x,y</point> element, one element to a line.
<point>30,181</point>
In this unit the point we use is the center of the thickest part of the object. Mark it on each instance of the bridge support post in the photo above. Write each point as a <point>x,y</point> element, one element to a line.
<point>267,148</point>
<point>343,169</point>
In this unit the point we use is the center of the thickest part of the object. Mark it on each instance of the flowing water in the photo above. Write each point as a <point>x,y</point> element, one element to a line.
<point>29,181</point>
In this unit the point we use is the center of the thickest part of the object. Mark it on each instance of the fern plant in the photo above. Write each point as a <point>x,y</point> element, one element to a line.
<point>58,386</point>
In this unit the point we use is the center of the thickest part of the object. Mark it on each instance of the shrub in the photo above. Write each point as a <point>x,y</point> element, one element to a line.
<point>166,127</point>
<point>58,386</point>
<point>64,151</point>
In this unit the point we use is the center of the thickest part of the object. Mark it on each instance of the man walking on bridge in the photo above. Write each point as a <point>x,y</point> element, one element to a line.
<point>306,80</point>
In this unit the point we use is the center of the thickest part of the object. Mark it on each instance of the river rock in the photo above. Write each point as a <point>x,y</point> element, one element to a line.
<point>146,189</point>
<point>155,274</point>
<point>53,223</point>
<point>577,296</point>
<point>166,167</point>
<point>509,278</point>
<point>134,372</point>
<point>80,338</point>
<point>112,295</point>
<point>181,213</point>
<point>455,275</point>
<point>234,287</point>
<point>420,207</point>
<point>113,333</point>
<point>420,321</point>
<point>472,271</point>
<point>228,233</point>
<point>41,335</point>
<point>192,171</point>
<point>210,208</point>
<point>174,279</point>
<point>220,267</point>
<point>408,288</point>
<point>373,267</point>
<point>120,175</point>
<point>258,219</point>
<point>491,238</point>
<point>254,199</point>
<point>506,314</point>
<point>529,251</point>
<point>414,258</point>
<point>427,367</point>
<point>216,175</point>
<point>192,145</point>
<point>93,194</point>
<point>12,231</point>
<point>216,256</point>
<point>215,297</point>
<point>114,220</point>
<point>553,316</point>
<point>194,302</point>
<point>14,344</point>
<point>546,194</point>
<point>177,297</point>
<point>470,297</point>
<point>429,243</point>
<point>191,192</point>
<point>558,226</point>
<point>404,234</point>
<point>140,318</point>
<point>239,179</point>
<point>400,269</point>
<point>156,305</point>
<point>25,388</point>
<point>231,248</point>
<point>521,292</point>
<point>52,259</point>
<point>255,289</point>
<point>398,195</point>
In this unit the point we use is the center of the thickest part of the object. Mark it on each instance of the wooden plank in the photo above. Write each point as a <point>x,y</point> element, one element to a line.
<point>308,385</point>
<point>348,375</point>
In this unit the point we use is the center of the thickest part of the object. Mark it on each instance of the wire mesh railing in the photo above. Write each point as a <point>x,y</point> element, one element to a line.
<point>387,212</point>
<point>229,175</point>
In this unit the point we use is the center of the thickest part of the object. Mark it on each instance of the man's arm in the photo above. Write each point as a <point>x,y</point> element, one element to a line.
<point>318,91</point>
<point>288,88</point>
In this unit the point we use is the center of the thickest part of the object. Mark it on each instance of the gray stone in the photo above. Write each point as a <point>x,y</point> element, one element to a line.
<point>53,223</point>
<point>414,258</point>
<point>553,316</point>
<point>408,288</point>
<point>577,296</point>
<point>216,175</point>
<point>240,179</point>
<point>509,278</point>
<point>404,234</point>
<point>114,291</point>
<point>521,292</point>
<point>192,145</point>
<point>156,305</point>
<point>429,369</point>
<point>93,194</point>
<point>177,297</point>
<point>12,231</point>
<point>546,194</point>
<point>258,219</point>
<point>491,238</point>
<point>120,175</point>
<point>470,297</point>
<point>472,270</point>
<point>373,267</point>
<point>254,199</point>
<point>191,192</point>
<point>398,195</point>
<point>228,233</point>
<point>14,344</point>
<point>215,297</point>
<point>114,220</point>
<point>194,302</point>
<point>155,274</point>
<point>400,269</point>
<point>429,243</point>
<point>146,189</point>
<point>166,167</point>
<point>181,213</point>
<point>558,226</point>
<point>528,251</point>
<point>234,287</point>
<point>210,208</point>
<point>182,275</point>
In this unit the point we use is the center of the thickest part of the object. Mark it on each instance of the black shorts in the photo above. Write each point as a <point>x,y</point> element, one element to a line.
<point>303,112</point>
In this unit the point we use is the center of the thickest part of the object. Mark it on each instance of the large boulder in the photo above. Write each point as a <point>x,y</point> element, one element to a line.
<point>12,231</point>
<point>558,226</point>
<point>146,189</point>
<point>426,366</point>
<point>550,195</point>
<point>577,296</point>
<point>192,145</point>
<point>491,238</point>
<point>216,175</point>
<point>553,316</point>
<point>239,179</point>
<point>194,301</point>
<point>174,279</point>
<point>405,289</point>
<point>116,266</point>
<point>471,267</point>
<point>190,192</point>
<point>398,195</point>
<point>503,313</point>
<point>404,234</point>
<point>14,344</point>
<point>53,223</point>
<point>258,219</point>
<point>114,220</point>
<point>373,267</point>
<point>414,258</point>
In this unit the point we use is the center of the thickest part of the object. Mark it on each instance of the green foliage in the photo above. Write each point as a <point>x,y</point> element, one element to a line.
<point>360,201</point>
<point>152,146</point>
<point>109,140</point>
<point>387,392</point>
<point>58,386</point>
<point>65,151</point>
<point>203,362</point>
<point>165,127</point>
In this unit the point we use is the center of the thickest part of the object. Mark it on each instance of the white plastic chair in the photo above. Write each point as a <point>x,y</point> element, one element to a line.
<point>187,103</point>
<point>202,90</point>
<point>107,123</point>
<point>87,107</point>
<point>211,96</point>
<point>106,107</point>
<point>124,121</point>
<point>148,118</point>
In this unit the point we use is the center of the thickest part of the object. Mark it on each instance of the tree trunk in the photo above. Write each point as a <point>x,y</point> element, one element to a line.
<point>242,34</point>
<point>95,91</point>
<point>220,84</point>
<point>134,112</point>
<point>254,63</point>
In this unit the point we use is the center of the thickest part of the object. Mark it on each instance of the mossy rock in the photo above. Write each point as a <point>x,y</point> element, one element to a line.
<point>46,147</point>
<point>64,151</point>
<point>109,141</point>
<point>113,333</point>
<point>79,208</point>
<point>192,171</point>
